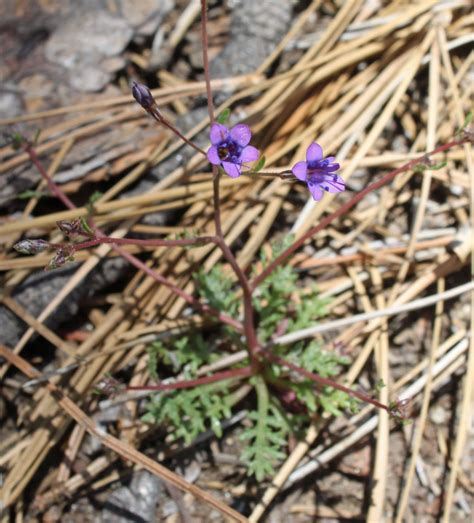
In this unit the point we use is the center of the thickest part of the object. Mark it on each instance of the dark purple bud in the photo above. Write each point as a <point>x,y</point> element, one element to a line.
<point>74,228</point>
<point>61,257</point>
<point>28,246</point>
<point>143,96</point>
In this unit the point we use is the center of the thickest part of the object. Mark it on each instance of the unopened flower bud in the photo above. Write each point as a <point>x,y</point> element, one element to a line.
<point>143,96</point>
<point>29,246</point>
<point>72,228</point>
<point>61,257</point>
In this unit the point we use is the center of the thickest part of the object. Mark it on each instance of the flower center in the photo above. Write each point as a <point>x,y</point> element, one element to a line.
<point>229,151</point>
<point>317,165</point>
<point>317,171</point>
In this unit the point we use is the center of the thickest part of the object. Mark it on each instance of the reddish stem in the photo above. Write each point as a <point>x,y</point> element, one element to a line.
<point>346,207</point>
<point>210,109</point>
<point>205,59</point>
<point>325,381</point>
<point>144,243</point>
<point>54,189</point>
<point>217,201</point>
<point>249,327</point>
<point>187,384</point>
<point>205,309</point>
<point>161,119</point>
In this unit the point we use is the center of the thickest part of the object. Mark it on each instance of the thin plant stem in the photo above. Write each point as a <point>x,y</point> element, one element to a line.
<point>347,206</point>
<point>161,119</point>
<point>210,108</point>
<point>191,300</point>
<point>205,60</point>
<point>316,378</point>
<point>284,175</point>
<point>185,242</point>
<point>248,323</point>
<point>217,201</point>
<point>187,384</point>
<point>263,404</point>
<point>53,188</point>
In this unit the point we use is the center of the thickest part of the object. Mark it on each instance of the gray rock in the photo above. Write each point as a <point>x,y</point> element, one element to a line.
<point>134,503</point>
<point>90,37</point>
<point>83,40</point>
<point>10,104</point>
<point>255,30</point>
<point>146,15</point>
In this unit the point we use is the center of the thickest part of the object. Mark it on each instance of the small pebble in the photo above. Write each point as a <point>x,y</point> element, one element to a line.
<point>438,415</point>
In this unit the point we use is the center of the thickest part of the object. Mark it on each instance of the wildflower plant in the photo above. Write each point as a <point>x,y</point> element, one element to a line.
<point>247,311</point>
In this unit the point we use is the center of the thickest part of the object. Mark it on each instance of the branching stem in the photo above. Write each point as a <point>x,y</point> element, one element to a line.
<point>316,378</point>
<point>248,323</point>
<point>346,207</point>
<point>191,300</point>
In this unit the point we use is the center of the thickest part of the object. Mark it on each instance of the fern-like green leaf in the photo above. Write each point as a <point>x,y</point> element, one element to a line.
<point>216,288</point>
<point>190,412</point>
<point>265,438</point>
<point>263,448</point>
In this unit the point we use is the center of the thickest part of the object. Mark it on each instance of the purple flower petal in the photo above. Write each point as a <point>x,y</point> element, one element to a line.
<point>299,170</point>
<point>218,133</point>
<point>232,169</point>
<point>213,155</point>
<point>332,167</point>
<point>249,154</point>
<point>333,183</point>
<point>241,134</point>
<point>314,152</point>
<point>315,191</point>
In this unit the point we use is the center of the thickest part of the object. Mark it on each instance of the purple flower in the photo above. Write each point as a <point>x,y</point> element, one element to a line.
<point>231,149</point>
<point>319,173</point>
